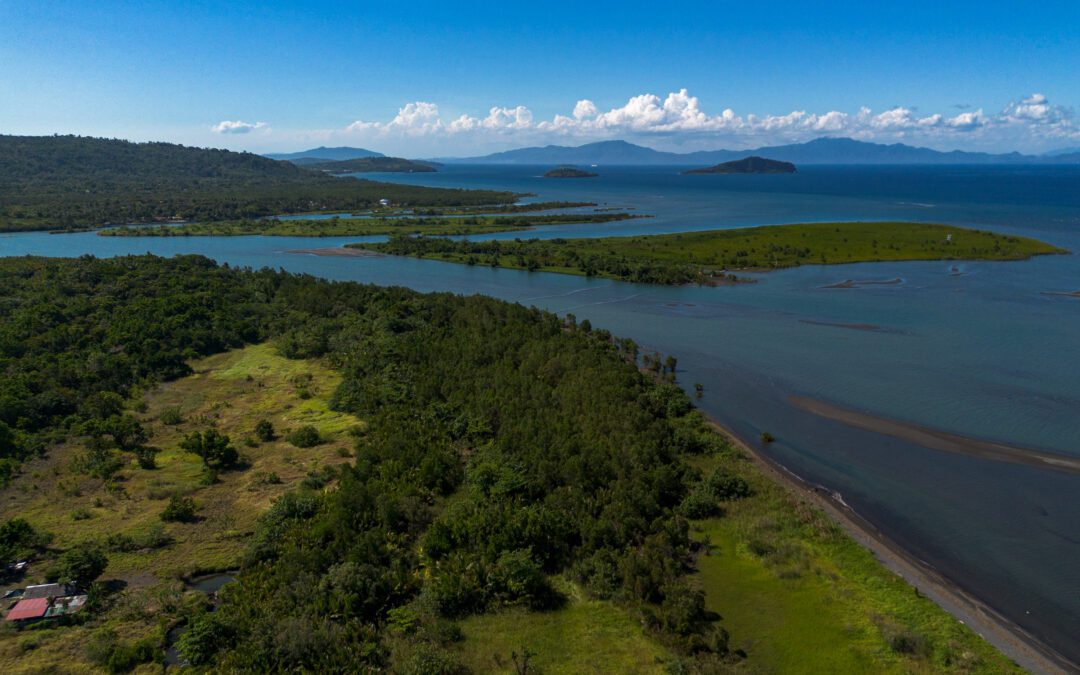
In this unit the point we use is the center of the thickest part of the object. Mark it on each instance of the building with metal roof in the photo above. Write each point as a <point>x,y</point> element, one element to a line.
<point>26,610</point>
<point>47,591</point>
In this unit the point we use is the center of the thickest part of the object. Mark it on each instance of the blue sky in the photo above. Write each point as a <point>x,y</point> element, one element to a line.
<point>428,79</point>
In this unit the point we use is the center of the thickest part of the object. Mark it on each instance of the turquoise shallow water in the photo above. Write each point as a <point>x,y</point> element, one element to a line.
<point>983,352</point>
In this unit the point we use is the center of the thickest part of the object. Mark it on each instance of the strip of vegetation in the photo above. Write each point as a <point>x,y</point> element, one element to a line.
<point>341,227</point>
<point>705,257</point>
<point>66,182</point>
<point>503,449</point>
<point>372,165</point>
<point>501,208</point>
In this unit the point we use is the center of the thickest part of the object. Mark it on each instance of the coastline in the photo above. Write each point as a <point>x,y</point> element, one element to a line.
<point>1010,639</point>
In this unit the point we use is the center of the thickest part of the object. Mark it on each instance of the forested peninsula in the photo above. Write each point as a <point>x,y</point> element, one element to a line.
<point>64,182</point>
<point>371,165</point>
<point>404,482</point>
<point>373,225</point>
<point>709,257</point>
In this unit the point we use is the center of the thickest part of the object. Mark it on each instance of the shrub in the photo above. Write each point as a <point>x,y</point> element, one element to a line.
<point>700,503</point>
<point>264,431</point>
<point>171,416</point>
<point>305,437</point>
<point>146,456</point>
<point>78,565</point>
<point>726,486</point>
<point>214,448</point>
<point>179,510</point>
<point>202,639</point>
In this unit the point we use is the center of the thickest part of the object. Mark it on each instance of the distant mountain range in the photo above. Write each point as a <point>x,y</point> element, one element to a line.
<point>324,154</point>
<point>819,151</point>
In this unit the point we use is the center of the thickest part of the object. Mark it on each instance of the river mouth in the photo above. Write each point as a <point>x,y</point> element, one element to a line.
<point>209,584</point>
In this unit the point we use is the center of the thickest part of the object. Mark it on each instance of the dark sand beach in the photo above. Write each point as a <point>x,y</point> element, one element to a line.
<point>1016,643</point>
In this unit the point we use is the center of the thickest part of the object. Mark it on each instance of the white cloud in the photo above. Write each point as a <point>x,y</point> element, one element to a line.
<point>238,127</point>
<point>680,119</point>
<point>417,118</point>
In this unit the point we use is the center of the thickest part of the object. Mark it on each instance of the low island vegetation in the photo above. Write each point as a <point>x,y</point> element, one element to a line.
<point>402,482</point>
<point>372,165</point>
<point>710,257</point>
<point>748,165</point>
<point>372,225</point>
<point>569,172</point>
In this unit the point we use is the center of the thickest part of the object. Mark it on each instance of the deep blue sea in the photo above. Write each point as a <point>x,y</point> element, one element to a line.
<point>981,350</point>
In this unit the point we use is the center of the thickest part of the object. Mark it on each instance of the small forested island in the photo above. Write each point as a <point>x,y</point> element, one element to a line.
<point>65,182</point>
<point>709,257</point>
<point>569,172</point>
<point>748,165</point>
<point>369,225</point>
<point>397,482</point>
<point>372,165</point>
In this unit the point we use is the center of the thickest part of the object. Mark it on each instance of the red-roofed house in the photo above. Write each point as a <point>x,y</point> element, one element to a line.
<point>24,610</point>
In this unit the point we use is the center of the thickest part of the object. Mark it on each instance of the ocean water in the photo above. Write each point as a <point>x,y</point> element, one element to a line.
<point>981,350</point>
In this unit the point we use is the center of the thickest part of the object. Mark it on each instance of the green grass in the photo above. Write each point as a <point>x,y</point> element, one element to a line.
<point>375,225</point>
<point>705,257</point>
<point>585,636</point>
<point>800,596</point>
<point>230,391</point>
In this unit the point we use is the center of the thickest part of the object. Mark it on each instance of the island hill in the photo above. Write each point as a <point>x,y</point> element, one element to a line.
<point>710,257</point>
<point>569,172</point>
<point>66,182</point>
<point>748,165</point>
<point>372,165</point>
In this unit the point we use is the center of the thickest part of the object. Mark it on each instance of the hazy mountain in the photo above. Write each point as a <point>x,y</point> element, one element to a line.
<point>1060,152</point>
<point>819,151</point>
<point>324,154</point>
<point>603,152</point>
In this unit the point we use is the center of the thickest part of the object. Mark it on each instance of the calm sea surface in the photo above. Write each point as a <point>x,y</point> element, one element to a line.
<point>980,350</point>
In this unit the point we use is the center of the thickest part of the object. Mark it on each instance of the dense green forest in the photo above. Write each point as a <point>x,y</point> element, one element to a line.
<point>56,182</point>
<point>550,255</point>
<point>343,227</point>
<point>704,257</point>
<point>503,445</point>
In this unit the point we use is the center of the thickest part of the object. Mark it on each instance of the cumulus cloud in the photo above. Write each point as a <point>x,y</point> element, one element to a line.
<point>237,127</point>
<point>680,117</point>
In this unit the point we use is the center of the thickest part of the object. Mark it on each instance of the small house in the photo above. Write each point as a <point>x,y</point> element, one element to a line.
<point>384,202</point>
<point>66,605</point>
<point>48,591</point>
<point>28,610</point>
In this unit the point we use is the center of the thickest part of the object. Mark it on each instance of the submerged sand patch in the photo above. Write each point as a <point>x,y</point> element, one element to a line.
<point>937,439</point>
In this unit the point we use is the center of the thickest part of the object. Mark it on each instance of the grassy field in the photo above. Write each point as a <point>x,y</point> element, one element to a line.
<point>700,256</point>
<point>800,596</point>
<point>796,594</point>
<point>585,636</point>
<point>230,391</point>
<point>375,225</point>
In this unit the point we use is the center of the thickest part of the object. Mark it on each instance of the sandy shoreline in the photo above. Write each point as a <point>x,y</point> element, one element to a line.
<point>868,327</point>
<point>1013,641</point>
<point>338,252</point>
